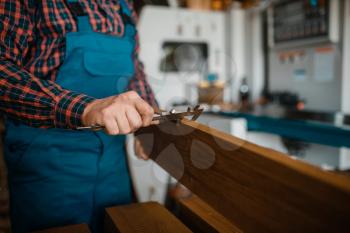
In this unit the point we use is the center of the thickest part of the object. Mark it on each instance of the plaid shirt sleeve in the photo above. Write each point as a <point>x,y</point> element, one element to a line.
<point>23,97</point>
<point>139,83</point>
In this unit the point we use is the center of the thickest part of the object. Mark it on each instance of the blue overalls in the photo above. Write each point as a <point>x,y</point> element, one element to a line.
<point>59,177</point>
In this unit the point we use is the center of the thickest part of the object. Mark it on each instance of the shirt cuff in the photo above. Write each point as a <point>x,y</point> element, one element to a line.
<point>69,109</point>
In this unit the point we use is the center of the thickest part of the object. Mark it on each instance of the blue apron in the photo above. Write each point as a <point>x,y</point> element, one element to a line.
<point>59,177</point>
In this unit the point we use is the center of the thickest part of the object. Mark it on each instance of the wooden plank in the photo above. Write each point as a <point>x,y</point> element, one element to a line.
<point>257,189</point>
<point>79,228</point>
<point>201,217</point>
<point>142,218</point>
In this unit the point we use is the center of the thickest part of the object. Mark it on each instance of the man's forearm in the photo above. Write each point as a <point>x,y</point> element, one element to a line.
<point>36,102</point>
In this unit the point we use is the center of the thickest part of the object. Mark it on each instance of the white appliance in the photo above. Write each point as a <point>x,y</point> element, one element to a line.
<point>184,31</point>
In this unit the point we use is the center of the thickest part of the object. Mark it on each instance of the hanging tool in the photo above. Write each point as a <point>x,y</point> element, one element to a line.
<point>161,116</point>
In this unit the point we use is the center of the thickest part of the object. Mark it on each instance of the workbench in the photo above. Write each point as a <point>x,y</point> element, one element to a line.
<point>314,127</point>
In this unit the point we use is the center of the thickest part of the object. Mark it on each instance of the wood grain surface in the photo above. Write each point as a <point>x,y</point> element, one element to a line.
<point>79,228</point>
<point>148,217</point>
<point>201,217</point>
<point>257,189</point>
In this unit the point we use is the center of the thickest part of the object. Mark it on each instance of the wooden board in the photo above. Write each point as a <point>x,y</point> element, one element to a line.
<point>79,228</point>
<point>201,217</point>
<point>257,189</point>
<point>148,217</point>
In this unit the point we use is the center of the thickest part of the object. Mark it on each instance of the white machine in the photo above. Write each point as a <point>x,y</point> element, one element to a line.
<point>179,46</point>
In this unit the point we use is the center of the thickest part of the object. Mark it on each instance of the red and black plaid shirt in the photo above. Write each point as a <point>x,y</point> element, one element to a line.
<point>32,48</point>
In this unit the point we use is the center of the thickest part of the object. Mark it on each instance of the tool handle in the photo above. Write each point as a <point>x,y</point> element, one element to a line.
<point>91,127</point>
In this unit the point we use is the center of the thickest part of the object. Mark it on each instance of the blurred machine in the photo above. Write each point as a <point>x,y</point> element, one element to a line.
<point>308,56</point>
<point>305,51</point>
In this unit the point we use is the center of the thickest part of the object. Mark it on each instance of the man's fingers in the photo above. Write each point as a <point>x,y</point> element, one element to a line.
<point>123,123</point>
<point>111,126</point>
<point>157,122</point>
<point>134,119</point>
<point>145,110</point>
<point>139,151</point>
<point>120,114</point>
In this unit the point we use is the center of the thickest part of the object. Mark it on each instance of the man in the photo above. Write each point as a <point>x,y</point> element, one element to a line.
<point>65,64</point>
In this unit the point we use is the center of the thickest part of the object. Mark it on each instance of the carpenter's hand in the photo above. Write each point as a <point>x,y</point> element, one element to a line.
<point>139,150</point>
<point>122,114</point>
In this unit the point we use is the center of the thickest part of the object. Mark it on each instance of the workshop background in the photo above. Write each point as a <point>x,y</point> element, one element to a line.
<point>272,72</point>
<point>275,73</point>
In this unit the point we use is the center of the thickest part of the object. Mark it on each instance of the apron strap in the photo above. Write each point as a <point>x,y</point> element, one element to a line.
<point>126,13</point>
<point>81,15</point>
